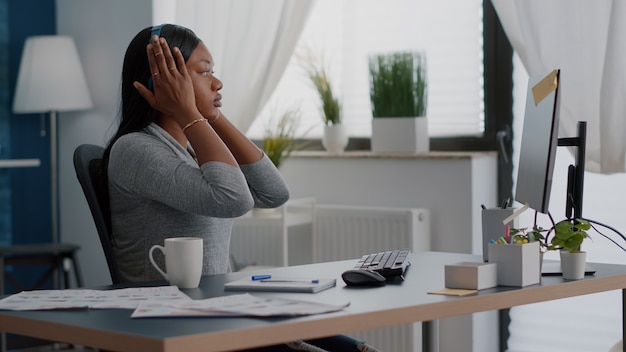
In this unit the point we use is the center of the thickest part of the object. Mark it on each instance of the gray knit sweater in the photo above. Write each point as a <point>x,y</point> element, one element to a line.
<point>157,190</point>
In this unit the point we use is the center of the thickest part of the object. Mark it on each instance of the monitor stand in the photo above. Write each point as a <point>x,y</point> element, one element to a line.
<point>576,173</point>
<point>554,269</point>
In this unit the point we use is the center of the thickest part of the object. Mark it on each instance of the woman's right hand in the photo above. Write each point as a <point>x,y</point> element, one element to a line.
<point>173,89</point>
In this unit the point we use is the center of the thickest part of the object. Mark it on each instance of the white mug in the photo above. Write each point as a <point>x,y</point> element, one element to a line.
<point>183,261</point>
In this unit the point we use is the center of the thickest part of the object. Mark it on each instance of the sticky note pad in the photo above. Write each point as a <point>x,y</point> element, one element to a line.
<point>546,86</point>
<point>453,292</point>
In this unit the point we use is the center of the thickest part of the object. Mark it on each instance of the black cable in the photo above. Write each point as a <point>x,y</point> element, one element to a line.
<point>550,230</point>
<point>591,222</point>
<point>606,236</point>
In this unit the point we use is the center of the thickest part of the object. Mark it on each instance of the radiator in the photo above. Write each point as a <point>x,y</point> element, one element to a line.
<point>258,238</point>
<point>348,232</point>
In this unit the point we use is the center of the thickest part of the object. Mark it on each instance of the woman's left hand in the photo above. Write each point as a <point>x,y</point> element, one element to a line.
<point>173,89</point>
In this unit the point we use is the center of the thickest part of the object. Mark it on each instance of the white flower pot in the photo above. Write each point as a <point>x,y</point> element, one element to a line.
<point>400,135</point>
<point>335,138</point>
<point>573,265</point>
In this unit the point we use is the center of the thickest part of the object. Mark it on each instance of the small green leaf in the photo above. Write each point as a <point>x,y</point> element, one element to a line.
<point>582,225</point>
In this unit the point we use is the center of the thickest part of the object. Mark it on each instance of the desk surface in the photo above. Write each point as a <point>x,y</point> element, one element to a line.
<point>369,308</point>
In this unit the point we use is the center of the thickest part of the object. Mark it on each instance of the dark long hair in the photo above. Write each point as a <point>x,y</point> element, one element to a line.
<point>136,113</point>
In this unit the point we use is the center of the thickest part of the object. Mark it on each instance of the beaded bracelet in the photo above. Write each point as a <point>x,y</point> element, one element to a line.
<point>192,123</point>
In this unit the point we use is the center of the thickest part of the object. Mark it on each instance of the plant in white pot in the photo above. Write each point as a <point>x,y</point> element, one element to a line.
<point>398,94</point>
<point>335,137</point>
<point>569,235</point>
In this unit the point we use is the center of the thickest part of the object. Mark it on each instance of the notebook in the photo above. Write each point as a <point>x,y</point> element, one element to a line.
<point>281,284</point>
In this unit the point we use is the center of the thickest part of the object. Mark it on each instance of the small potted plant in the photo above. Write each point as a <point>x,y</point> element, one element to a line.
<point>398,94</point>
<point>518,255</point>
<point>528,235</point>
<point>280,136</point>
<point>525,235</point>
<point>335,137</point>
<point>569,235</point>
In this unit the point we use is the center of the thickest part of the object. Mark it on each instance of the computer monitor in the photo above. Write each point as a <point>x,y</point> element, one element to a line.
<point>539,141</point>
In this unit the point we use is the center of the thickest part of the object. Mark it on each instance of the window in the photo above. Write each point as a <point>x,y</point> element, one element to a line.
<point>345,33</point>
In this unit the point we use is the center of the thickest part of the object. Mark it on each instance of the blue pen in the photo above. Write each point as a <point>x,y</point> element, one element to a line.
<point>261,277</point>
<point>315,281</point>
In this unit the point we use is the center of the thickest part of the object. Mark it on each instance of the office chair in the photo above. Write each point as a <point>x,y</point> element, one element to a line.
<point>87,160</point>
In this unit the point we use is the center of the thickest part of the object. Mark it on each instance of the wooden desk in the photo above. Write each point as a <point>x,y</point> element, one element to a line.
<point>369,308</point>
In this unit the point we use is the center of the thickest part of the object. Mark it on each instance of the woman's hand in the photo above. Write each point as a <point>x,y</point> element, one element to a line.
<point>173,89</point>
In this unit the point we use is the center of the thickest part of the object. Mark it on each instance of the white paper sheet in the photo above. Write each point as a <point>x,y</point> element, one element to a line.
<point>126,298</point>
<point>234,305</point>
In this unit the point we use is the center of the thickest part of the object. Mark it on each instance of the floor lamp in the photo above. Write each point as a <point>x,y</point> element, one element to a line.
<point>51,79</point>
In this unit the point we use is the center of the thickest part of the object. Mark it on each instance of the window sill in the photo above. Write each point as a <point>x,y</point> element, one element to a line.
<point>361,154</point>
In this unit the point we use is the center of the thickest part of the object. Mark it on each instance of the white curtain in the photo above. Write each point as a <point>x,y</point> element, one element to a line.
<point>251,43</point>
<point>585,39</point>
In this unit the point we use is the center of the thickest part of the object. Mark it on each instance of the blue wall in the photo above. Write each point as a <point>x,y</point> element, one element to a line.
<point>29,188</point>
<point>5,180</point>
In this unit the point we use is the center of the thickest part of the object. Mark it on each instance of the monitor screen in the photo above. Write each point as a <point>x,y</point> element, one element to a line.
<point>539,141</point>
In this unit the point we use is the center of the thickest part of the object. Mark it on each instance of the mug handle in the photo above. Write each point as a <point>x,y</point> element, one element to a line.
<point>156,246</point>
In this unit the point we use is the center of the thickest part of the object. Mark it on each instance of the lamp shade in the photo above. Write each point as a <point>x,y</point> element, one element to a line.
<point>51,77</point>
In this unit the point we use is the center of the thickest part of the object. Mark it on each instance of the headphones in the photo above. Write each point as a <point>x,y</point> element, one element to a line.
<point>156,30</point>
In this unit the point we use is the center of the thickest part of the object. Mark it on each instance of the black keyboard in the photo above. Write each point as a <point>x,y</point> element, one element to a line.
<point>389,264</point>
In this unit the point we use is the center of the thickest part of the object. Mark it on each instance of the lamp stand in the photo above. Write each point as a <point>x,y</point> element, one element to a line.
<point>53,177</point>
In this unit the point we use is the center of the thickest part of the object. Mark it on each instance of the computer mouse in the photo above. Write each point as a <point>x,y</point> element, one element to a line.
<point>360,277</point>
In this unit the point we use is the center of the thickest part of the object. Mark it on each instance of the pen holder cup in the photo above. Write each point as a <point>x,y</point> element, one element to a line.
<point>493,228</point>
<point>517,264</point>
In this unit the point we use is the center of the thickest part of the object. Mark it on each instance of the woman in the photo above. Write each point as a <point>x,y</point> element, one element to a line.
<point>178,167</point>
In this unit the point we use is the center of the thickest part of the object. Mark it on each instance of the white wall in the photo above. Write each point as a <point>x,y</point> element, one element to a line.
<point>451,185</point>
<point>102,31</point>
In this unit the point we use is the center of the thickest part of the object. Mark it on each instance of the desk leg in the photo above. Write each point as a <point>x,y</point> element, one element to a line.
<point>624,320</point>
<point>504,320</point>
<point>430,336</point>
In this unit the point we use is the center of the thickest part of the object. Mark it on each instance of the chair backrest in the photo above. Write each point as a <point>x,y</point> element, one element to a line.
<point>87,160</point>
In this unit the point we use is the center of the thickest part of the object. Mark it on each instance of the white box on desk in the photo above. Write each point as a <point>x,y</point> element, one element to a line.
<point>518,264</point>
<point>471,275</point>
